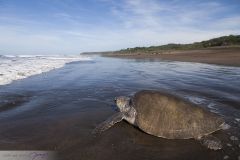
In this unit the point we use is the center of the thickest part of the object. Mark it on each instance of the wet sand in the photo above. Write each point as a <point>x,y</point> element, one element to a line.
<point>59,110</point>
<point>222,56</point>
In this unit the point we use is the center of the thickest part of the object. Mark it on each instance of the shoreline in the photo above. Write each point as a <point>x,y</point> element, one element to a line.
<point>229,56</point>
<point>59,111</point>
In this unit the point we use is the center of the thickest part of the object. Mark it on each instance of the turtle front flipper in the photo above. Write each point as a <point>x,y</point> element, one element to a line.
<point>108,123</point>
<point>211,142</point>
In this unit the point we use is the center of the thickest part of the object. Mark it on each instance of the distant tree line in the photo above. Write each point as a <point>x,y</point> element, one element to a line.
<point>220,41</point>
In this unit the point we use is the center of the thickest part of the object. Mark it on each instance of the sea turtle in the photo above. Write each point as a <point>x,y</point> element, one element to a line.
<point>168,116</point>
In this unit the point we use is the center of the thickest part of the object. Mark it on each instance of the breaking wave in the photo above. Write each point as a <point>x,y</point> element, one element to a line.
<point>22,66</point>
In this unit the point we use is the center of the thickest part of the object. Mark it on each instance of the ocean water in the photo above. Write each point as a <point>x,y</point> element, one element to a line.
<point>22,66</point>
<point>59,109</point>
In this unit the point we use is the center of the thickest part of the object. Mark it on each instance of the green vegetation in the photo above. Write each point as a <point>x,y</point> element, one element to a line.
<point>215,42</point>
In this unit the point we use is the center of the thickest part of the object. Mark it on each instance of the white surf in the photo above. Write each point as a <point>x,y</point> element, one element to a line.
<point>22,66</point>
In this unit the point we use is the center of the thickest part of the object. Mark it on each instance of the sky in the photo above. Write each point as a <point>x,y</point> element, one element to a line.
<point>75,26</point>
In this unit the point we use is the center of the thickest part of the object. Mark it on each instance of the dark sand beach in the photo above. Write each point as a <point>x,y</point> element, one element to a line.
<point>219,55</point>
<point>58,110</point>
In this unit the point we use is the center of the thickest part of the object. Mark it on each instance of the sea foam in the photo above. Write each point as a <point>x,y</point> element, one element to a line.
<point>22,66</point>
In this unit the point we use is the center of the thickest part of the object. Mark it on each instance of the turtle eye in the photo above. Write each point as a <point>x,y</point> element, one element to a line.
<point>115,99</point>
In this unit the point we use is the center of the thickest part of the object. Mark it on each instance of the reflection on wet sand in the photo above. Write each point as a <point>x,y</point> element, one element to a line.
<point>11,101</point>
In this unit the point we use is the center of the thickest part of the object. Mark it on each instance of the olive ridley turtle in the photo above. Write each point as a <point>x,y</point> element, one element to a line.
<point>168,116</point>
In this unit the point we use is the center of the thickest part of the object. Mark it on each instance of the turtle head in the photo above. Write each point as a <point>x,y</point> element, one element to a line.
<point>123,103</point>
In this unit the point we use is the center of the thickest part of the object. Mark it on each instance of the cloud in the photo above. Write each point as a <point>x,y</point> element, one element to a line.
<point>232,23</point>
<point>138,13</point>
<point>153,14</point>
<point>119,24</point>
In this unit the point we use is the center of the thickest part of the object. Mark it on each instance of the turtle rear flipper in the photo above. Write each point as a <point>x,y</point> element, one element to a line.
<point>108,123</point>
<point>211,142</point>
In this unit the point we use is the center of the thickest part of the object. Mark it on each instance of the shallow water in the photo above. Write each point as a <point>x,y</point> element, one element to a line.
<point>58,110</point>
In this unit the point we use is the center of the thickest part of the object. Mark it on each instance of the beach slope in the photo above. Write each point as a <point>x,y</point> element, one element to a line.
<point>216,55</point>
